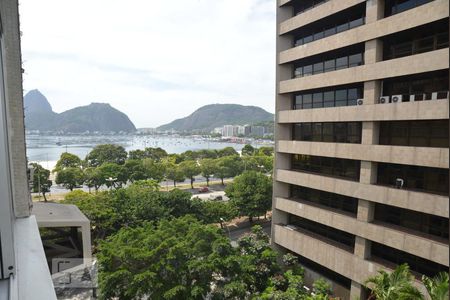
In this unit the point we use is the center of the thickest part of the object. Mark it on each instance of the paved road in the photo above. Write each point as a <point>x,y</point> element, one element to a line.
<point>235,234</point>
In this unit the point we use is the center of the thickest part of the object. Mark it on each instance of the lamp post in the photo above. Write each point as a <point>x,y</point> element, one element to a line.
<point>111,181</point>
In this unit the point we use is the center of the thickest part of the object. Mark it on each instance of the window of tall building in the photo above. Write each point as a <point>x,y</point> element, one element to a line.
<point>417,133</point>
<point>420,87</point>
<point>303,6</point>
<point>341,203</point>
<point>336,167</point>
<point>393,7</point>
<point>337,237</point>
<point>334,132</point>
<point>392,257</point>
<point>331,97</point>
<point>416,178</point>
<point>335,60</point>
<point>429,37</point>
<point>423,223</point>
<point>344,20</point>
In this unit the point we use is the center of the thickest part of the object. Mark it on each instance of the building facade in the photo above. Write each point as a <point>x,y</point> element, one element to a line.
<point>361,175</point>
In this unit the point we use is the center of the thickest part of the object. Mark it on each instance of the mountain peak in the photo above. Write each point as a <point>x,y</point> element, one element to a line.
<point>210,116</point>
<point>101,117</point>
<point>34,100</point>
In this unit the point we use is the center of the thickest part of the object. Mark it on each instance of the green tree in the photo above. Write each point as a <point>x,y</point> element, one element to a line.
<point>175,259</point>
<point>213,211</point>
<point>397,285</point>
<point>156,154</point>
<point>153,169</point>
<point>135,170</point>
<point>208,167</point>
<point>173,172</point>
<point>93,178</point>
<point>190,169</point>
<point>70,177</point>
<point>267,151</point>
<point>251,193</point>
<point>67,160</point>
<point>107,153</point>
<point>112,174</point>
<point>248,150</point>
<point>227,151</point>
<point>228,167</point>
<point>437,287</point>
<point>41,181</point>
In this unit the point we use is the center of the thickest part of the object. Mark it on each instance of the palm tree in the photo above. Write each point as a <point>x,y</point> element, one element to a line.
<point>397,285</point>
<point>437,287</point>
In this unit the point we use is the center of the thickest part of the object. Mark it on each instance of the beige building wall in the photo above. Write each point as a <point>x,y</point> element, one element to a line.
<point>355,265</point>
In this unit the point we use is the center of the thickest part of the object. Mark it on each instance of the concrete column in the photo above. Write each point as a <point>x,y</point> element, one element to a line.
<point>86,237</point>
<point>374,10</point>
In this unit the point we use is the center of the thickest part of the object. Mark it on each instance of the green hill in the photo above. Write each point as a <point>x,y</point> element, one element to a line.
<point>100,117</point>
<point>211,116</point>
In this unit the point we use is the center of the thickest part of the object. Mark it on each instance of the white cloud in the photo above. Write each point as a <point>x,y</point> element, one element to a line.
<point>154,60</point>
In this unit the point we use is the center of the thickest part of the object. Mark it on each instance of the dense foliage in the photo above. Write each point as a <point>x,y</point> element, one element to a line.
<point>184,259</point>
<point>251,194</point>
<point>111,166</point>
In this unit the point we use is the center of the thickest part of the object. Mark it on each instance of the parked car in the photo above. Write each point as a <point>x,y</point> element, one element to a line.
<point>203,189</point>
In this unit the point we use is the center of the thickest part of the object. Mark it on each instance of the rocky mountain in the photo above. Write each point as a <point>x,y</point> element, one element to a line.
<point>100,117</point>
<point>211,116</point>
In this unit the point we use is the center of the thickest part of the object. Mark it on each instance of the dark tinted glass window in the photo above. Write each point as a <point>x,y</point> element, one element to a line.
<point>318,68</point>
<point>341,63</point>
<point>356,23</point>
<point>421,179</point>
<point>298,102</point>
<point>424,44</point>
<point>330,31</point>
<point>308,39</point>
<point>328,99</point>
<point>330,65</point>
<point>341,97</point>
<point>317,132</point>
<point>307,70</point>
<point>307,101</point>
<point>420,133</point>
<point>327,132</point>
<point>355,60</point>
<point>346,240</point>
<point>395,257</point>
<point>298,72</point>
<point>342,27</point>
<point>317,100</point>
<point>336,167</point>
<point>421,222</point>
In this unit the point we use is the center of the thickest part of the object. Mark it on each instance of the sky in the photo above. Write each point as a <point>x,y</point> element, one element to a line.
<point>155,60</point>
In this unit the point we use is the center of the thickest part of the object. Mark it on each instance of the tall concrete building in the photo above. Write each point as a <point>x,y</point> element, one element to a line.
<point>361,170</point>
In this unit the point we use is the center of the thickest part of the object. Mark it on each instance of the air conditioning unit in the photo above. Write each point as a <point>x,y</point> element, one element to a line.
<point>399,183</point>
<point>384,100</point>
<point>396,98</point>
<point>439,95</point>
<point>417,97</point>
<point>359,101</point>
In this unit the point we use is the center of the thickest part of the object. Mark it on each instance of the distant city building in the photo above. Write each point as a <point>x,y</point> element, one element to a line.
<point>227,131</point>
<point>361,178</point>
<point>218,130</point>
<point>257,130</point>
<point>236,130</point>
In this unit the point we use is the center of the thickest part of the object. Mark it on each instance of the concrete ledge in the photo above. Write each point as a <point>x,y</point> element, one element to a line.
<point>416,156</point>
<point>413,64</point>
<point>32,279</point>
<point>420,110</point>
<point>422,202</point>
<point>319,12</point>
<point>283,2</point>
<point>427,13</point>
<point>416,245</point>
<point>340,261</point>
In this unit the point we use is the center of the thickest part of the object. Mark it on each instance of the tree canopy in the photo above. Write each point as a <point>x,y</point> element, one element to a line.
<point>251,193</point>
<point>107,153</point>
